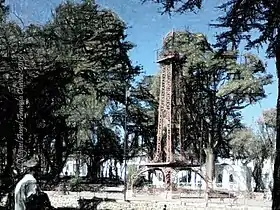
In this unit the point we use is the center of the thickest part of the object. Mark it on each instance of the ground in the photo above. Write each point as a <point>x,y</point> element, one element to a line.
<point>149,202</point>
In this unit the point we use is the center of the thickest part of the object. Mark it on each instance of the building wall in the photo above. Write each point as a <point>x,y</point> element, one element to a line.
<point>227,178</point>
<point>137,161</point>
<point>229,175</point>
<point>70,168</point>
<point>232,177</point>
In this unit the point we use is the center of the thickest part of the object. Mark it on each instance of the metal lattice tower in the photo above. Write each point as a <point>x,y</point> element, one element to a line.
<point>165,113</point>
<point>170,135</point>
<point>169,125</point>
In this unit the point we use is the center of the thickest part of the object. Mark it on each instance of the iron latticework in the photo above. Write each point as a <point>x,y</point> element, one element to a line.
<point>170,129</point>
<point>170,137</point>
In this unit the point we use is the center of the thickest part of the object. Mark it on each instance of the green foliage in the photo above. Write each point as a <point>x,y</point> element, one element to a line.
<point>250,146</point>
<point>216,87</point>
<point>267,131</point>
<point>75,68</point>
<point>141,118</point>
<point>268,119</point>
<point>260,144</point>
<point>242,18</point>
<point>169,6</point>
<point>247,145</point>
<point>4,10</point>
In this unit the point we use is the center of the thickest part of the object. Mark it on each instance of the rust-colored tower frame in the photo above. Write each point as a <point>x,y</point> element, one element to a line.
<point>169,112</point>
<point>169,132</point>
<point>169,125</point>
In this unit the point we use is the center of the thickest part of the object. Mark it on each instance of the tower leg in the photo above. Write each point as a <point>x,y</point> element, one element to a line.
<point>168,183</point>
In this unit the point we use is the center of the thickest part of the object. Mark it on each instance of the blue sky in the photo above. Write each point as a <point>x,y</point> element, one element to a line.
<point>147,28</point>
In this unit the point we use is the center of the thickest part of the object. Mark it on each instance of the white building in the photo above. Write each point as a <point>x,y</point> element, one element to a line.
<point>229,175</point>
<point>233,177</point>
<point>70,167</point>
<point>136,161</point>
<point>227,178</point>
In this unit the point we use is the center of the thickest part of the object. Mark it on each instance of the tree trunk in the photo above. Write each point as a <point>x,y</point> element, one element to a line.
<point>209,172</point>
<point>116,168</point>
<point>110,170</point>
<point>276,178</point>
<point>93,169</point>
<point>8,179</point>
<point>276,175</point>
<point>257,175</point>
<point>77,166</point>
<point>90,168</point>
<point>58,155</point>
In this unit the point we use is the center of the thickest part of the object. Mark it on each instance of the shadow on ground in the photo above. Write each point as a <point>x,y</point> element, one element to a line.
<point>84,204</point>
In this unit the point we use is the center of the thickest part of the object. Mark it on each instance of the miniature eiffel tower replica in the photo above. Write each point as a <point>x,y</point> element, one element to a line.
<point>169,132</point>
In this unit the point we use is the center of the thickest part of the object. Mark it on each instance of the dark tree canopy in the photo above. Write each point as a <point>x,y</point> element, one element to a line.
<point>180,6</point>
<point>243,20</point>
<point>75,67</point>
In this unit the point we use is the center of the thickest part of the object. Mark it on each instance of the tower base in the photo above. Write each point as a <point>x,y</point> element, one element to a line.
<point>174,165</point>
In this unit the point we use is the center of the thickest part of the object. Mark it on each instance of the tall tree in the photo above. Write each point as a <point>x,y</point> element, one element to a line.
<point>76,65</point>
<point>248,146</point>
<point>256,146</point>
<point>95,39</point>
<point>267,133</point>
<point>267,130</point>
<point>241,19</point>
<point>141,118</point>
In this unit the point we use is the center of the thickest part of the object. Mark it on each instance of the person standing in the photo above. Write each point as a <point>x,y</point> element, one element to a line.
<point>27,186</point>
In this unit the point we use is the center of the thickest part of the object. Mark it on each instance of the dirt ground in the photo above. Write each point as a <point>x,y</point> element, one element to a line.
<point>58,199</point>
<point>154,202</point>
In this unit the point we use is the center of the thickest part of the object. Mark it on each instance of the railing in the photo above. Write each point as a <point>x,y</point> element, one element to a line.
<point>160,55</point>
